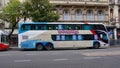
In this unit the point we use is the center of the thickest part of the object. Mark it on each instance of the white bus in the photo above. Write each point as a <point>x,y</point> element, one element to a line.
<point>50,35</point>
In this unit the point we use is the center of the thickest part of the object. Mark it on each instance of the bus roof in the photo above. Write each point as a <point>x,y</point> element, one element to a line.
<point>59,23</point>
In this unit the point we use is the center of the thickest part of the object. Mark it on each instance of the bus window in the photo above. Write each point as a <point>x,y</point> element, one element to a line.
<point>74,37</point>
<point>78,27</point>
<point>59,27</point>
<point>69,27</point>
<point>26,27</point>
<point>33,27</point>
<point>79,37</point>
<point>49,27</point>
<point>86,27</point>
<point>88,37</point>
<point>68,37</point>
<point>41,27</point>
<point>98,27</point>
<point>63,37</point>
<point>55,27</point>
<point>58,37</point>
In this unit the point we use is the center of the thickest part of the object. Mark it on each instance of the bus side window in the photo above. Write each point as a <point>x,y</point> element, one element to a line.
<point>86,27</point>
<point>57,37</point>
<point>78,26</point>
<point>59,27</point>
<point>40,27</point>
<point>69,27</point>
<point>55,27</point>
<point>23,27</point>
<point>74,37</point>
<point>79,37</point>
<point>62,37</point>
<point>26,27</point>
<point>33,27</point>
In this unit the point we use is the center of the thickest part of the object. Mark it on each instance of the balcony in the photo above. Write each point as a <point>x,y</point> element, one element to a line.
<point>79,2</point>
<point>111,2</point>
<point>118,3</point>
<point>112,20</point>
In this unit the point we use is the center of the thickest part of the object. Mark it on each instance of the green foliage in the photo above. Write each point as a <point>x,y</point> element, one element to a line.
<point>10,11</point>
<point>41,10</point>
<point>38,10</point>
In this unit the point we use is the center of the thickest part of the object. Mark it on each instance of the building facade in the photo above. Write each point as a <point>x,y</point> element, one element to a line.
<point>95,11</point>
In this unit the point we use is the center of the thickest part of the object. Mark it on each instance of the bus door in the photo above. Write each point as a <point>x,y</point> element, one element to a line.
<point>102,36</point>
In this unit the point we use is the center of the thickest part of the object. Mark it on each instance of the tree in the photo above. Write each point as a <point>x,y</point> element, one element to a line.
<point>11,13</point>
<point>40,10</point>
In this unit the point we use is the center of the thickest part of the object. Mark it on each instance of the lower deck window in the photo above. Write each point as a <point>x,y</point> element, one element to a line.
<point>72,37</point>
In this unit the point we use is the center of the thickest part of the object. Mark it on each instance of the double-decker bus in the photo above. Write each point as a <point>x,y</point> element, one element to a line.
<point>4,44</point>
<point>50,35</point>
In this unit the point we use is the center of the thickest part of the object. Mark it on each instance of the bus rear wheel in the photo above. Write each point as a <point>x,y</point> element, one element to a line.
<point>96,45</point>
<point>49,46</point>
<point>39,47</point>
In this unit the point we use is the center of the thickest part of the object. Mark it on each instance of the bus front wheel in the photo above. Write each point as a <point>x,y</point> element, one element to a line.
<point>49,46</point>
<point>96,45</point>
<point>39,47</point>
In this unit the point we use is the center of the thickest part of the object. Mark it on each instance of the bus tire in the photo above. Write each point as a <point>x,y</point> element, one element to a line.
<point>96,45</point>
<point>39,47</point>
<point>49,46</point>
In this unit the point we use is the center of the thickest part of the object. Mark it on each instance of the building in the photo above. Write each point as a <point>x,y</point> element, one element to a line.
<point>94,11</point>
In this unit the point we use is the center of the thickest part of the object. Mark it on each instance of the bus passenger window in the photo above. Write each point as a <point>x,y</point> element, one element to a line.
<point>33,27</point>
<point>57,37</point>
<point>23,27</point>
<point>74,37</point>
<point>59,27</point>
<point>79,37</point>
<point>63,37</point>
<point>86,27</point>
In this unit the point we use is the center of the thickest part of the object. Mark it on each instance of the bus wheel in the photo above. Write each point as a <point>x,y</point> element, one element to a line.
<point>96,45</point>
<point>49,46</point>
<point>39,47</point>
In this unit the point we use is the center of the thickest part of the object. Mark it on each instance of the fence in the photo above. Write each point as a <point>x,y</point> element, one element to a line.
<point>115,42</point>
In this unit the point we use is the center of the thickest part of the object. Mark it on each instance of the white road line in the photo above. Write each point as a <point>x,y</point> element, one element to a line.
<point>31,54</point>
<point>92,57</point>
<point>111,53</point>
<point>17,61</point>
<point>55,53</point>
<point>62,59</point>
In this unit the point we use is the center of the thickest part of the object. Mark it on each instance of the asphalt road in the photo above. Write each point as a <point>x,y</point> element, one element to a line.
<point>74,58</point>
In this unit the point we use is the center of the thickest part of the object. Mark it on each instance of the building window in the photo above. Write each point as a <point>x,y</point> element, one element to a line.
<point>97,0</point>
<point>100,15</point>
<point>78,15</point>
<point>66,15</point>
<point>90,15</point>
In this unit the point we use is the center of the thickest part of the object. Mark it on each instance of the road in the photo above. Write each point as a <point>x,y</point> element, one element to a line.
<point>74,58</point>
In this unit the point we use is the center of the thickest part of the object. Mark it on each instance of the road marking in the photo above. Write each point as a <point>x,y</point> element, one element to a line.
<point>5,54</point>
<point>102,53</point>
<point>92,57</point>
<point>22,61</point>
<point>31,54</point>
<point>62,59</point>
<point>55,53</point>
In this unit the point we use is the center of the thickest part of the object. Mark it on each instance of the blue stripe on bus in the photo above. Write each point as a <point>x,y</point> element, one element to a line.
<point>29,44</point>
